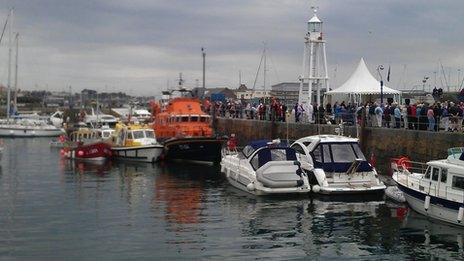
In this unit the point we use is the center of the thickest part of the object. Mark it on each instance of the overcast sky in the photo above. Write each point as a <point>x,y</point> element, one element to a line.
<point>138,46</point>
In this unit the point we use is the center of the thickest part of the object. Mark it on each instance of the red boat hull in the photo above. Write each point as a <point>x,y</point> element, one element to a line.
<point>91,152</point>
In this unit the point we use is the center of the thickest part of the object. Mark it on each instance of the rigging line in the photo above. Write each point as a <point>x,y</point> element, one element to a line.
<point>257,72</point>
<point>273,66</point>
<point>444,75</point>
<point>4,26</point>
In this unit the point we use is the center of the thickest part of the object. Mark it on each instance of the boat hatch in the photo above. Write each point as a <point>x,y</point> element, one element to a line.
<point>264,155</point>
<point>338,157</point>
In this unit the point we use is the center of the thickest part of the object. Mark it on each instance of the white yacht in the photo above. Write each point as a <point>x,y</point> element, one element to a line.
<point>99,118</point>
<point>135,142</point>
<point>434,189</point>
<point>28,128</point>
<point>265,168</point>
<point>336,165</point>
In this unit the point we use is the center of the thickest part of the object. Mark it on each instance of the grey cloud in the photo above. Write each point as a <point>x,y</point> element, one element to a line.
<point>138,45</point>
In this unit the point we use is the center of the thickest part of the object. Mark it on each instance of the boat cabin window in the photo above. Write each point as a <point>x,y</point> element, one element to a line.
<point>435,173</point>
<point>298,149</point>
<point>150,134</point>
<point>326,153</point>
<point>204,119</point>
<point>185,119</point>
<point>342,152</point>
<point>139,134</point>
<point>177,119</point>
<point>317,154</point>
<point>444,174</point>
<point>248,150</point>
<point>458,182</point>
<point>194,118</point>
<point>130,136</point>
<point>428,172</point>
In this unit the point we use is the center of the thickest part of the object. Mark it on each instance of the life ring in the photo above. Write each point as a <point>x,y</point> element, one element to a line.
<point>404,162</point>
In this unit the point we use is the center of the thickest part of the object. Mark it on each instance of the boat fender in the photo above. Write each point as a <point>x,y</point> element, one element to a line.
<point>427,203</point>
<point>251,186</point>
<point>460,214</point>
<point>316,188</point>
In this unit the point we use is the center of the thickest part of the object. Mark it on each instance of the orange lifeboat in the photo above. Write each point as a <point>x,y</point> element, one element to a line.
<point>185,129</point>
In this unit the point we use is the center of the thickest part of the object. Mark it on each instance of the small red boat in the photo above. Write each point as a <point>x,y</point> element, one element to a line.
<point>98,151</point>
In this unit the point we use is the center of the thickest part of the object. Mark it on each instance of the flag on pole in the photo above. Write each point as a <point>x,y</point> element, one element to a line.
<point>388,74</point>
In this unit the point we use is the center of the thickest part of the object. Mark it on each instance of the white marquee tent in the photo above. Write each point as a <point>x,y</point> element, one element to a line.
<point>362,83</point>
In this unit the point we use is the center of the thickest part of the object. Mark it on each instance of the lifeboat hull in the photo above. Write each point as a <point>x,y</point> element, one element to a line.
<point>202,149</point>
<point>91,152</point>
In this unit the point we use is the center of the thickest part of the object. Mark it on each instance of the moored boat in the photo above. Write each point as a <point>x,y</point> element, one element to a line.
<point>265,168</point>
<point>185,130</point>
<point>136,142</point>
<point>336,165</point>
<point>434,189</point>
<point>19,128</point>
<point>99,151</point>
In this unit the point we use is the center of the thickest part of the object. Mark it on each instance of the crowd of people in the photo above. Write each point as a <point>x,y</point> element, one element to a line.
<point>447,116</point>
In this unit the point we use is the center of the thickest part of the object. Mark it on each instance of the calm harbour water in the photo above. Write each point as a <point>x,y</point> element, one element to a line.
<point>56,209</point>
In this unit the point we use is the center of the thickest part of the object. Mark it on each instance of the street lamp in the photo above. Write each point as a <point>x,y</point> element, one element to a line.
<point>380,68</point>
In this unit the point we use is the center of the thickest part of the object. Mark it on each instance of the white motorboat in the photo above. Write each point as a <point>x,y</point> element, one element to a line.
<point>136,142</point>
<point>96,119</point>
<point>265,168</point>
<point>336,165</point>
<point>57,119</point>
<point>28,128</point>
<point>434,189</point>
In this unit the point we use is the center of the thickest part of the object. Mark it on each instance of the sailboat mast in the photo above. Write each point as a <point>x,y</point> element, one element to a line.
<point>8,96</point>
<point>15,97</point>
<point>264,71</point>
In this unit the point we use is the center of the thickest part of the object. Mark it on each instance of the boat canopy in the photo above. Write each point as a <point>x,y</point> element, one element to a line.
<point>257,144</point>
<point>267,154</point>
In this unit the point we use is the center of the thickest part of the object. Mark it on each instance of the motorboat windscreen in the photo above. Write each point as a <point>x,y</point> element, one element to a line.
<point>264,155</point>
<point>255,145</point>
<point>338,157</point>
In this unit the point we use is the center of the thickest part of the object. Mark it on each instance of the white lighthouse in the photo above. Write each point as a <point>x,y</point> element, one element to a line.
<point>314,73</point>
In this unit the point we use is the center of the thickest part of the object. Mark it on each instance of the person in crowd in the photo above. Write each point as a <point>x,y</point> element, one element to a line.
<point>320,114</point>
<point>387,115</point>
<point>431,119</point>
<point>404,116</point>
<point>378,115</point>
<point>310,113</point>
<point>297,115</point>
<point>445,117</point>
<point>261,110</point>
<point>397,113</point>
<point>328,108</point>
<point>437,110</point>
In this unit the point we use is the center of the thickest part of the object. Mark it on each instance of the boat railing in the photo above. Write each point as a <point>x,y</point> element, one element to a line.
<point>407,166</point>
<point>437,189</point>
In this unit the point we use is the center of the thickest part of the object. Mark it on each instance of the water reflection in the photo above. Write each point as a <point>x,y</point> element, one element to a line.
<point>120,210</point>
<point>437,240</point>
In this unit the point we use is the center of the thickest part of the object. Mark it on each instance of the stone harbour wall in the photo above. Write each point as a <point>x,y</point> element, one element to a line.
<point>383,142</point>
